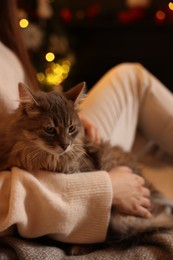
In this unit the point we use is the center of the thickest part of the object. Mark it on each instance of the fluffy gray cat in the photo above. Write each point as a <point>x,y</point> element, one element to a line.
<point>45,133</point>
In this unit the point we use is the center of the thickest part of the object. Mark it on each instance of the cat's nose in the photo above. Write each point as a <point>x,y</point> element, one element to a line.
<point>64,146</point>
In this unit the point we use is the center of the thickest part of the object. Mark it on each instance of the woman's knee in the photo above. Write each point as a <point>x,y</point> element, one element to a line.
<point>127,68</point>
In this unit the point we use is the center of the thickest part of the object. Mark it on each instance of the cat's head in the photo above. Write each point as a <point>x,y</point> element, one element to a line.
<point>50,120</point>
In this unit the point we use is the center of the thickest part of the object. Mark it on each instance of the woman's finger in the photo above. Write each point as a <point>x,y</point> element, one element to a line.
<point>143,212</point>
<point>146,203</point>
<point>146,192</point>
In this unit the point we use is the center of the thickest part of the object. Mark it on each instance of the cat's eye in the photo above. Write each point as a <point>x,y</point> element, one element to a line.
<point>50,130</point>
<point>71,129</point>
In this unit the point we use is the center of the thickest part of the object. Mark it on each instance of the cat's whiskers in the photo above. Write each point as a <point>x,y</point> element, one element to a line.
<point>47,148</point>
<point>44,158</point>
<point>24,154</point>
<point>35,155</point>
<point>79,148</point>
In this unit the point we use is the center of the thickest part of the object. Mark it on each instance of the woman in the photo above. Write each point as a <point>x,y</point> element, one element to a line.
<point>126,97</point>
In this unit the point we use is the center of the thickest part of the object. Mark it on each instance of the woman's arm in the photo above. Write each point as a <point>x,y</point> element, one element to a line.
<point>71,208</point>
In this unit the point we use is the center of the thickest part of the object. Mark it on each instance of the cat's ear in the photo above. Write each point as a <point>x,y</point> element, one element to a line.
<point>77,93</point>
<point>26,95</point>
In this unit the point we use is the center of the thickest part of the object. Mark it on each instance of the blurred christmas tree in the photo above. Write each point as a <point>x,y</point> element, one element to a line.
<point>46,41</point>
<point>47,24</point>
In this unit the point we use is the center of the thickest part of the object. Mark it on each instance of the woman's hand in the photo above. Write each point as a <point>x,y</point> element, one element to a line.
<point>129,194</point>
<point>91,130</point>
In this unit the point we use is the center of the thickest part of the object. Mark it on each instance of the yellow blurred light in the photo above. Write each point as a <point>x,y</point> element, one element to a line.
<point>56,68</point>
<point>23,23</point>
<point>66,62</point>
<point>40,77</point>
<point>49,78</point>
<point>56,73</point>
<point>160,15</point>
<point>53,80</point>
<point>170,6</point>
<point>50,56</point>
<point>65,68</point>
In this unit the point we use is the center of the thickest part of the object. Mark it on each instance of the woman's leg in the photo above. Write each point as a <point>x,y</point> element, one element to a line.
<point>127,97</point>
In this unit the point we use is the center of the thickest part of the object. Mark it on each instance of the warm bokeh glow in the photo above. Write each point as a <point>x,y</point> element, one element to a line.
<point>160,15</point>
<point>170,6</point>
<point>23,23</point>
<point>50,56</point>
<point>55,73</point>
<point>41,77</point>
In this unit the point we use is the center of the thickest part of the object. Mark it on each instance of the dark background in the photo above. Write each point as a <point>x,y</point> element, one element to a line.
<point>99,48</point>
<point>101,34</point>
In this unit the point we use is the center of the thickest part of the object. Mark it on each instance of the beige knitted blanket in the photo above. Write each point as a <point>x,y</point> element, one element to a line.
<point>156,247</point>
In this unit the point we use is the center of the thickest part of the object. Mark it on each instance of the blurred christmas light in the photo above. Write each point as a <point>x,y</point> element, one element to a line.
<point>93,10</point>
<point>55,74</point>
<point>160,15</point>
<point>66,14</point>
<point>170,5</point>
<point>50,56</point>
<point>134,3</point>
<point>41,77</point>
<point>23,23</point>
<point>131,15</point>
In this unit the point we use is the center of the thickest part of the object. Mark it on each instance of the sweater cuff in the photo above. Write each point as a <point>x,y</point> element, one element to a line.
<point>91,197</point>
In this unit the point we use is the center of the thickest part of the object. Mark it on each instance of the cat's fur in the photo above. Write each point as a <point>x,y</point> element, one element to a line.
<point>45,133</point>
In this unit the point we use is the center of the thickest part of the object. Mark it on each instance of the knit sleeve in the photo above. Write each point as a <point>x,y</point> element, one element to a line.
<point>70,208</point>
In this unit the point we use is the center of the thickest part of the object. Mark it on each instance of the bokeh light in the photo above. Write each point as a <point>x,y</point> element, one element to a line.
<point>170,5</point>
<point>55,74</point>
<point>23,23</point>
<point>160,15</point>
<point>49,56</point>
